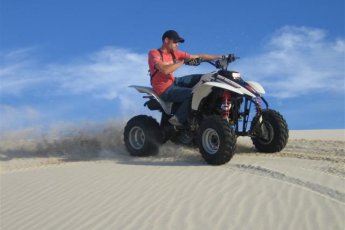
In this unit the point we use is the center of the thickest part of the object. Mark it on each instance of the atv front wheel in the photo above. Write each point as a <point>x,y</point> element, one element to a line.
<point>271,134</point>
<point>216,140</point>
<point>142,136</point>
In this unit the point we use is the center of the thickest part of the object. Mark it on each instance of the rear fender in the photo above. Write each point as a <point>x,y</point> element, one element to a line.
<point>167,106</point>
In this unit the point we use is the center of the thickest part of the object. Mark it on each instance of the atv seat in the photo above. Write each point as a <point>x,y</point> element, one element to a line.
<point>166,106</point>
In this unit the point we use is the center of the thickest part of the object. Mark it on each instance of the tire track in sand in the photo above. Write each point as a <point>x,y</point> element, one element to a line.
<point>320,189</point>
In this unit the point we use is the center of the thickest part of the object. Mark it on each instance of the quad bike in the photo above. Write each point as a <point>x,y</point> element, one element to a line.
<point>223,106</point>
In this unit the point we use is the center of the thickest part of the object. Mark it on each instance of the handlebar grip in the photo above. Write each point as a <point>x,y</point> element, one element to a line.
<point>193,61</point>
<point>232,57</point>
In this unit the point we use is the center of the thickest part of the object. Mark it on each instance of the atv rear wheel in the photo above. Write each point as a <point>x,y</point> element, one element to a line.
<point>272,134</point>
<point>142,136</point>
<point>216,140</point>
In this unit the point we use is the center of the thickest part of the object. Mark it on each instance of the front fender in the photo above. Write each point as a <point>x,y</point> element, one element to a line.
<point>205,89</point>
<point>257,86</point>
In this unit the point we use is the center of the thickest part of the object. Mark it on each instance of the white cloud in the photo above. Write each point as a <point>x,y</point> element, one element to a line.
<point>298,61</point>
<point>105,74</point>
<point>12,117</point>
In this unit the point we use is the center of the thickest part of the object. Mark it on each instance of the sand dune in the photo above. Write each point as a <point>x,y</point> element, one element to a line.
<point>51,184</point>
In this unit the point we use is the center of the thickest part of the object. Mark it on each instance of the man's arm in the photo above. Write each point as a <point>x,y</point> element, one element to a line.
<point>168,69</point>
<point>207,57</point>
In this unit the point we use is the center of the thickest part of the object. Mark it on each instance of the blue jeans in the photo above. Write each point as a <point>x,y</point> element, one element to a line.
<point>181,92</point>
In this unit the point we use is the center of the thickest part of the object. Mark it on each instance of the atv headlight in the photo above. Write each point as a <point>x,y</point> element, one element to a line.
<point>236,75</point>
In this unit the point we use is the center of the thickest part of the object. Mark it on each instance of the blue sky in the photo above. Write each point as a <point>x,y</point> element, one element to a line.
<point>71,61</point>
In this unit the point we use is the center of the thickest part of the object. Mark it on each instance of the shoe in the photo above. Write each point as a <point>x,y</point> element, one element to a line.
<point>174,121</point>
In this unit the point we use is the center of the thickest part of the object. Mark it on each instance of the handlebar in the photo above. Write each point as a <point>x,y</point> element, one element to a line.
<point>219,64</point>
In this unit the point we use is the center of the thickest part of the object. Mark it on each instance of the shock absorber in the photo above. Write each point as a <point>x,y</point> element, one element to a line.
<point>226,104</point>
<point>258,108</point>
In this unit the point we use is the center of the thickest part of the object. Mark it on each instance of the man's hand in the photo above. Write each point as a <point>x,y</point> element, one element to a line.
<point>193,61</point>
<point>230,57</point>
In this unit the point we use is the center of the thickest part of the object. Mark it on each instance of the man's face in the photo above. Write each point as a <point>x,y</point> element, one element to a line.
<point>170,44</point>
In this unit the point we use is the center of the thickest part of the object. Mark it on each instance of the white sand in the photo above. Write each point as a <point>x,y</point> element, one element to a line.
<point>325,135</point>
<point>302,187</point>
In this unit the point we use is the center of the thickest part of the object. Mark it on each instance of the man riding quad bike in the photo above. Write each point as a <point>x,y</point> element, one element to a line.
<point>222,106</point>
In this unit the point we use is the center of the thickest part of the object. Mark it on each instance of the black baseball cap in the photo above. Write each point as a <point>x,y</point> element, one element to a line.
<point>172,34</point>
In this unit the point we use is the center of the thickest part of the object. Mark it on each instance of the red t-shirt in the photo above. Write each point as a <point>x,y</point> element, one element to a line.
<point>161,81</point>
